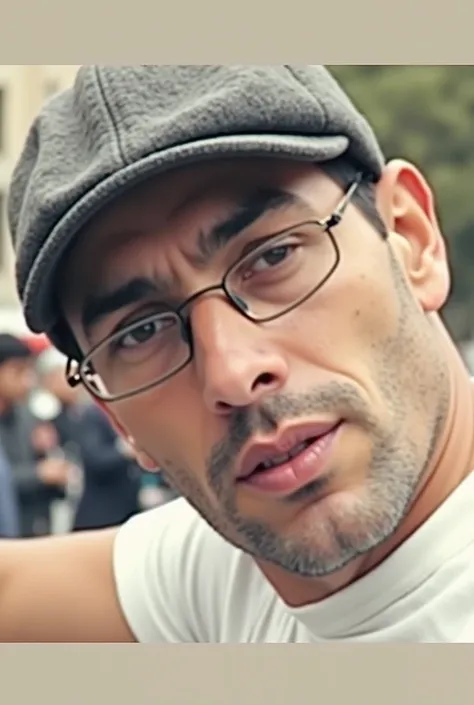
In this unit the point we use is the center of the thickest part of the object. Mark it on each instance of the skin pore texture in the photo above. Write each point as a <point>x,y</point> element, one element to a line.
<point>368,350</point>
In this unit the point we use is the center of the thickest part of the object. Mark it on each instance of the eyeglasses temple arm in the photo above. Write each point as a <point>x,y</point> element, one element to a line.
<point>336,216</point>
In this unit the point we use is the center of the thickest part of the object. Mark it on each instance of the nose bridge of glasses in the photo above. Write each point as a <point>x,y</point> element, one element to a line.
<point>184,310</point>
<point>220,291</point>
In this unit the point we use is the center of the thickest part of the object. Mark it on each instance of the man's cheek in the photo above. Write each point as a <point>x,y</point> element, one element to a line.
<point>171,449</point>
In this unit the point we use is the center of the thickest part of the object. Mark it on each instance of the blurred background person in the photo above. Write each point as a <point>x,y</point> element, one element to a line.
<point>111,477</point>
<point>9,514</point>
<point>58,404</point>
<point>109,486</point>
<point>27,442</point>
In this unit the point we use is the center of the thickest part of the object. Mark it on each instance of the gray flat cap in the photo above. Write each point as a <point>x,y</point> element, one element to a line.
<point>119,125</point>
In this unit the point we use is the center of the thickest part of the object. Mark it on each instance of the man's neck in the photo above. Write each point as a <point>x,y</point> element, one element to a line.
<point>451,464</point>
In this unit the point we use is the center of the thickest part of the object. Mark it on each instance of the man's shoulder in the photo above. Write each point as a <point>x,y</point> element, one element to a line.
<point>177,528</point>
<point>179,580</point>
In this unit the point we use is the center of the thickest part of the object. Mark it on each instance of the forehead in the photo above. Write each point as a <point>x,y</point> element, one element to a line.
<point>192,196</point>
<point>177,207</point>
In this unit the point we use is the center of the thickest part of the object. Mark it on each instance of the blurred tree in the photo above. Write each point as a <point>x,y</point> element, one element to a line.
<point>426,114</point>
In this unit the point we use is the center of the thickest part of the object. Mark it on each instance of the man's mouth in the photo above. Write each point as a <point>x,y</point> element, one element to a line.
<point>296,458</point>
<point>285,457</point>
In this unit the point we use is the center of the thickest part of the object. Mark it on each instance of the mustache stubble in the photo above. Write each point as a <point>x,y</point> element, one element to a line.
<point>340,400</point>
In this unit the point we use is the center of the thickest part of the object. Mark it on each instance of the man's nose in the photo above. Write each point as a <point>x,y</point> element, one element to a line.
<point>236,361</point>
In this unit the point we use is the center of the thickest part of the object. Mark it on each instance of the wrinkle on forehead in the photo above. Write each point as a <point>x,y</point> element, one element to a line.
<point>174,194</point>
<point>174,205</point>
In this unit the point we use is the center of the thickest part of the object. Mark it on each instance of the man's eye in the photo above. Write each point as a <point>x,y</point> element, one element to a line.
<point>269,259</point>
<point>142,333</point>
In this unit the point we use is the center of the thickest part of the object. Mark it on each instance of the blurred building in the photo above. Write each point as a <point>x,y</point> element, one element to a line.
<point>23,89</point>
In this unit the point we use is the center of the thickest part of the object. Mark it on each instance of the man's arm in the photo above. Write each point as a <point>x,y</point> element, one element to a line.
<point>146,581</point>
<point>60,589</point>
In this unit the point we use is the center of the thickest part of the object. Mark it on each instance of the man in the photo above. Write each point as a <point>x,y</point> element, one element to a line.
<point>252,294</point>
<point>111,475</point>
<point>64,401</point>
<point>14,385</point>
<point>9,515</point>
<point>56,402</point>
<point>26,441</point>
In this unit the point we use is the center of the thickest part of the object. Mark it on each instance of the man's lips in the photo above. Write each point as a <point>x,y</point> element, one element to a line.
<point>265,456</point>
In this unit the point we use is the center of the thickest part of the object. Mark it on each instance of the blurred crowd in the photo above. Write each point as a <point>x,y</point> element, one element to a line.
<point>62,466</point>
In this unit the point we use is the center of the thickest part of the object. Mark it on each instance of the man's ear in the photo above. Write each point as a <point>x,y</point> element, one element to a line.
<point>142,458</point>
<point>406,204</point>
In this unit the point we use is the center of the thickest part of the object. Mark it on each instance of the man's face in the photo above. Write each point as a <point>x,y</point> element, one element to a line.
<point>17,379</point>
<point>357,360</point>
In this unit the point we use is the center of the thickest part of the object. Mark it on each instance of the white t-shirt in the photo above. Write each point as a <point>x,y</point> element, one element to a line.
<point>179,581</point>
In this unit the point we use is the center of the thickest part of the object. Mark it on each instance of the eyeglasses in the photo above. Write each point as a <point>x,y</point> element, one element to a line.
<point>271,280</point>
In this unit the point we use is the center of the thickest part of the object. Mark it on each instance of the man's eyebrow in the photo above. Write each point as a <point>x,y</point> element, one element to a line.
<point>249,210</point>
<point>96,306</point>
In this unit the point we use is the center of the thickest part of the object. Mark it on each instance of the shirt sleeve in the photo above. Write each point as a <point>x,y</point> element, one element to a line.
<point>155,554</point>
